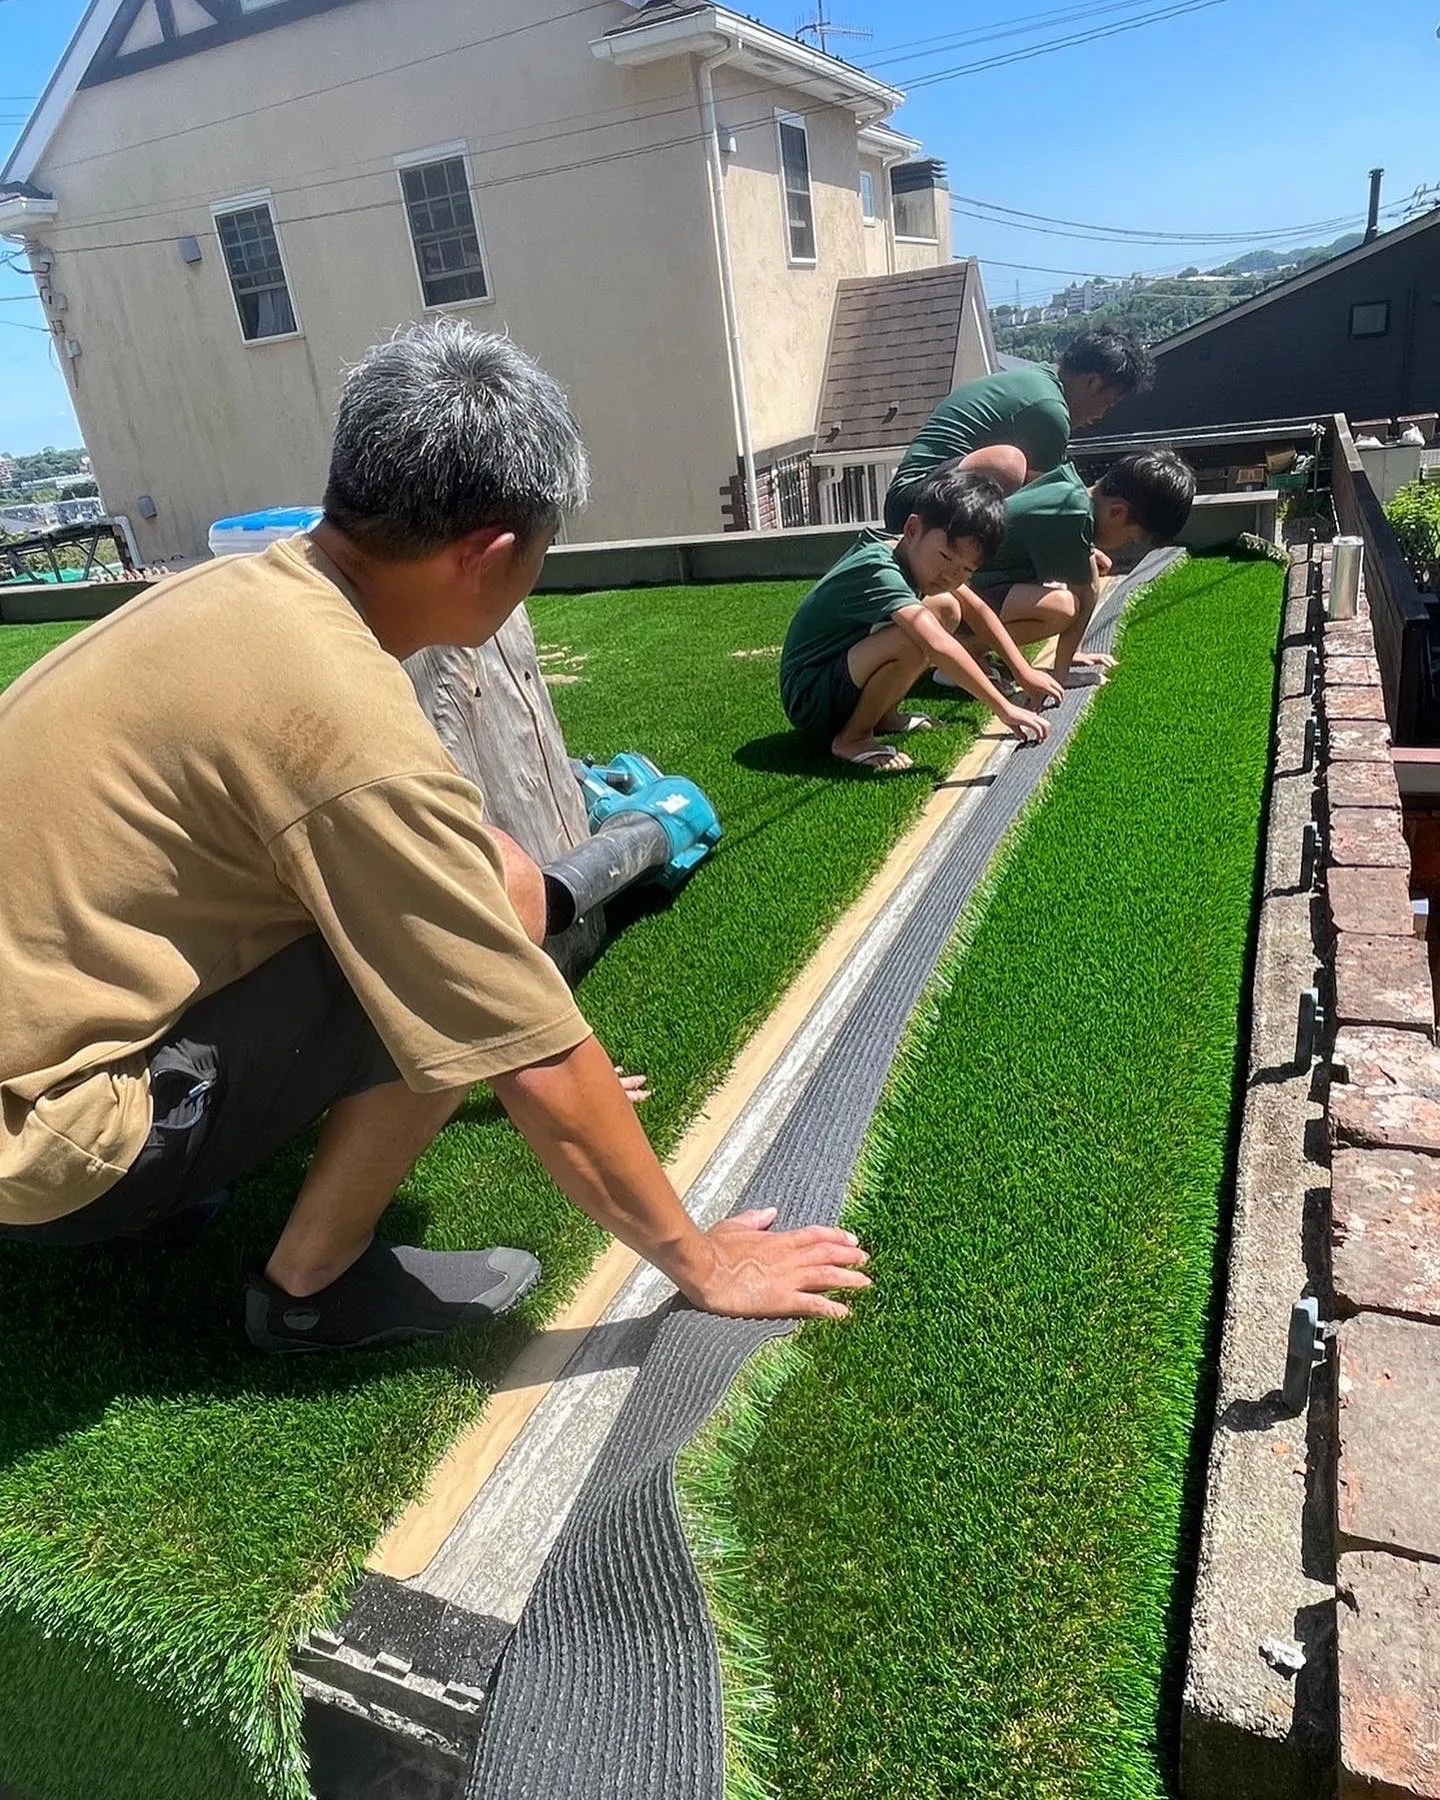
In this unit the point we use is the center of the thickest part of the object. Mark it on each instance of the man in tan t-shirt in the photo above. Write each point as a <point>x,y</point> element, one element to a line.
<point>243,886</point>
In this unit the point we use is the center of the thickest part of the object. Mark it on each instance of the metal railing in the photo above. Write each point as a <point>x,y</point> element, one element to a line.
<point>1403,620</point>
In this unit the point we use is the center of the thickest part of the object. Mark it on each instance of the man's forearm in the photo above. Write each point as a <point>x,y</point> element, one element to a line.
<point>1067,645</point>
<point>574,1115</point>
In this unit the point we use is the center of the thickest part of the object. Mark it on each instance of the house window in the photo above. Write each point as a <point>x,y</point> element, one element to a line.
<point>444,231</point>
<point>795,178</point>
<point>257,272</point>
<point>1370,318</point>
<point>915,215</point>
<point>867,197</point>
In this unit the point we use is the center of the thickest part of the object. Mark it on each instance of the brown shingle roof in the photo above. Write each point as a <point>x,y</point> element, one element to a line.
<point>893,349</point>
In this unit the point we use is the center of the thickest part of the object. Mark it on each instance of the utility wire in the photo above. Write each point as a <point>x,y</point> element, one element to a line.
<point>354,174</point>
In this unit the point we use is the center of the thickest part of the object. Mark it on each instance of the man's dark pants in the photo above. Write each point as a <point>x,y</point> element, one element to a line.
<point>240,1075</point>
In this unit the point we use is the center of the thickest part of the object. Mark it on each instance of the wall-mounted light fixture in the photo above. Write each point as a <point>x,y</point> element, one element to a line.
<point>147,508</point>
<point>190,250</point>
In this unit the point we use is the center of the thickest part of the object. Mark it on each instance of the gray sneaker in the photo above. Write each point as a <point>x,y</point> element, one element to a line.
<point>392,1295</point>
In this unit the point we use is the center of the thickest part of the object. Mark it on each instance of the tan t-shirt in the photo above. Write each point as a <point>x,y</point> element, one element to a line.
<point>215,770</point>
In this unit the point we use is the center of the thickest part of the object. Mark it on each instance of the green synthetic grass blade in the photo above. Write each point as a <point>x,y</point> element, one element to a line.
<point>174,1512</point>
<point>950,1538</point>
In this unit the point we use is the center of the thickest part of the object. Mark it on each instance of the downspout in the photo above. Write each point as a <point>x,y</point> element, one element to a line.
<point>887,163</point>
<point>739,396</point>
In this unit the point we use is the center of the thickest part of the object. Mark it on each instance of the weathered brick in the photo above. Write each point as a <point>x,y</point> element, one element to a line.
<point>1349,637</point>
<point>1375,902</point>
<point>1384,1120</point>
<point>1362,741</point>
<point>1383,981</point>
<point>1386,1232</point>
<point>1389,1461</point>
<point>1383,1061</point>
<point>1354,703</point>
<point>1362,784</point>
<point>1352,671</point>
<point>1297,671</point>
<point>1364,837</point>
<point>1388,1634</point>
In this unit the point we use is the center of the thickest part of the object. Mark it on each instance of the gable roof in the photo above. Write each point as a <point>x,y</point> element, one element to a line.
<point>895,353</point>
<point>1334,265</point>
<point>97,52</point>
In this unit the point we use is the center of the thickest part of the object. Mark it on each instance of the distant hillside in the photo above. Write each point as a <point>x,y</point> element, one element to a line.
<point>1164,307</point>
<point>1267,262</point>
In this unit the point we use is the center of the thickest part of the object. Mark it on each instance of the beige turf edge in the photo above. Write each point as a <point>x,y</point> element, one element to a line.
<point>411,1543</point>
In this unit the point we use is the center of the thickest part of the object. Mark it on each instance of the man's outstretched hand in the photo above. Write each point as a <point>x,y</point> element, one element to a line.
<point>757,1273</point>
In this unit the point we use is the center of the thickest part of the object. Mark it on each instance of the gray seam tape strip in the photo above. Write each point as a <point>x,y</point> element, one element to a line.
<point>610,1689</point>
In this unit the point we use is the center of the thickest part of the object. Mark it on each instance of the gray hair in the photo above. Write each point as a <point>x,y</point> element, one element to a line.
<point>445,430</point>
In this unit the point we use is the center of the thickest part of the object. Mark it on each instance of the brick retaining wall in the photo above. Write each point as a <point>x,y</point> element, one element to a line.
<point>1383,1117</point>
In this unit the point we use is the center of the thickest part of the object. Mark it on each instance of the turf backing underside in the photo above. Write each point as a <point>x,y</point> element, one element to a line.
<point>175,1512</point>
<point>943,1541</point>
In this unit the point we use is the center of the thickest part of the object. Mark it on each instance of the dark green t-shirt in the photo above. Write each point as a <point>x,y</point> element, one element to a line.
<point>1024,407</point>
<point>1049,534</point>
<point>866,588</point>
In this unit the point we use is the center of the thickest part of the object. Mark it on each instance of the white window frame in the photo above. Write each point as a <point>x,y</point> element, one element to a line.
<point>417,159</point>
<point>243,203</point>
<point>902,237</point>
<point>872,216</point>
<point>797,120</point>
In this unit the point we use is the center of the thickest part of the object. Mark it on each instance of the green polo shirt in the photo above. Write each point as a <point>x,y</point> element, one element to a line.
<point>1025,407</point>
<point>866,588</point>
<point>1049,535</point>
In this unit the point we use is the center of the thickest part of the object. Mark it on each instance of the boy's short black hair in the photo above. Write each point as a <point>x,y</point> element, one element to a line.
<point>1159,488</point>
<point>1121,361</point>
<point>962,504</point>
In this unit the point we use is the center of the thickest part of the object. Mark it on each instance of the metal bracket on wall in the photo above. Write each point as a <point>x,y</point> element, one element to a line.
<point>1307,1036</point>
<point>1305,1351</point>
<point>1309,857</point>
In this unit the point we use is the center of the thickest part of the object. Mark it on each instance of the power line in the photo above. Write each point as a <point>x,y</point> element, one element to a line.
<point>362,171</point>
<point>334,87</point>
<point>1088,37</point>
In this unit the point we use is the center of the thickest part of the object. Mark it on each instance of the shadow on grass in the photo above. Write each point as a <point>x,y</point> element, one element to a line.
<point>120,1321</point>
<point>788,753</point>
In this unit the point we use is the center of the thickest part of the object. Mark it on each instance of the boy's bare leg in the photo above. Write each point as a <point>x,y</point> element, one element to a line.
<point>884,666</point>
<point>1032,613</point>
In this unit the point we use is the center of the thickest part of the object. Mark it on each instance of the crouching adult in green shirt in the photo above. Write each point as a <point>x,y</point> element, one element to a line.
<point>865,634</point>
<point>1044,580</point>
<point>1034,409</point>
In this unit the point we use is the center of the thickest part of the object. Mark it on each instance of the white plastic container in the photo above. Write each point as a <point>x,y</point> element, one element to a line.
<point>249,533</point>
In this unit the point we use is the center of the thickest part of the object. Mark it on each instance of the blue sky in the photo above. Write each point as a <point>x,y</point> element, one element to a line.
<point>1232,116</point>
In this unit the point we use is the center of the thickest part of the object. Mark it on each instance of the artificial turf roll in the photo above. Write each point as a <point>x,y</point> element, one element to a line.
<point>176,1513</point>
<point>948,1539</point>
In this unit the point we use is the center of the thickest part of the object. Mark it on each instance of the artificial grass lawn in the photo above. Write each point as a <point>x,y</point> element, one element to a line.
<point>175,1512</point>
<point>950,1531</point>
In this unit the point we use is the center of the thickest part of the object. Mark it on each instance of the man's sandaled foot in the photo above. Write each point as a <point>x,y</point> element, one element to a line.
<point>393,1294</point>
<point>882,758</point>
<point>902,724</point>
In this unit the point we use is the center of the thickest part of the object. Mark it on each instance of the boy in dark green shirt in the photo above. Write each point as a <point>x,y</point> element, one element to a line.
<point>1034,408</point>
<point>865,634</point>
<point>1043,580</point>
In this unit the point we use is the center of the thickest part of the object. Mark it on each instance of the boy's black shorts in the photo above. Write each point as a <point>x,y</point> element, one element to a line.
<point>237,1077</point>
<point>825,702</point>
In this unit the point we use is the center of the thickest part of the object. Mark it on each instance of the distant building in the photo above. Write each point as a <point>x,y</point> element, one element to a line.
<point>1359,334</point>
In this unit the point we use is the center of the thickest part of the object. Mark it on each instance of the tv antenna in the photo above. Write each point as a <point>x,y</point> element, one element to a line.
<point>822,29</point>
